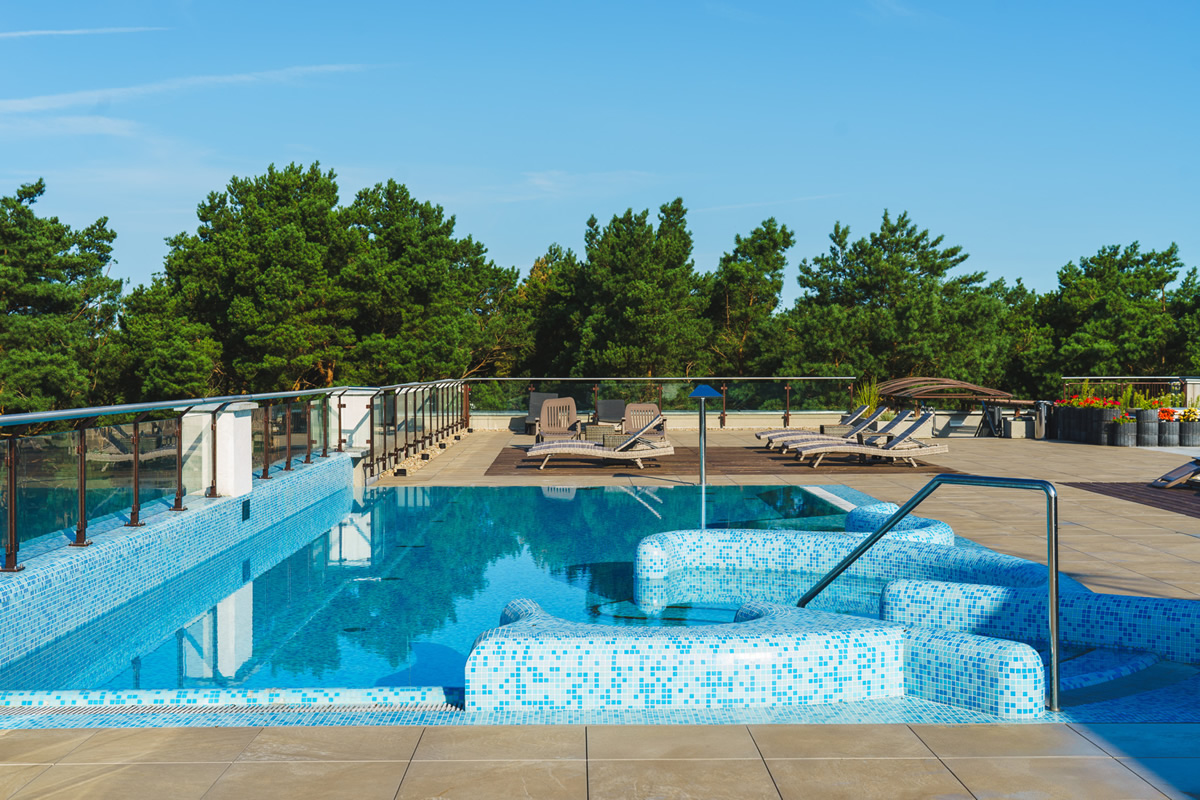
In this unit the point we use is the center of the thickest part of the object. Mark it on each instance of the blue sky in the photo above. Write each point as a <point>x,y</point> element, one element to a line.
<point>1029,133</point>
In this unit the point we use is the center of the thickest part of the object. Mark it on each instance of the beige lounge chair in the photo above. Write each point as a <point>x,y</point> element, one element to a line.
<point>635,448</point>
<point>847,419</point>
<point>901,447</point>
<point>558,421</point>
<point>637,415</point>
<point>903,417</point>
<point>779,439</point>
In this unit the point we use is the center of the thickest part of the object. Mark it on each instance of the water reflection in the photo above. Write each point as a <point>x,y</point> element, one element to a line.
<point>394,592</point>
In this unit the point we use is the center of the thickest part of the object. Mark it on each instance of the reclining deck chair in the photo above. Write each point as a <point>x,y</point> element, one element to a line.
<point>903,446</point>
<point>558,420</point>
<point>636,417</point>
<point>634,448</point>
<point>536,399</point>
<point>880,436</point>
<point>779,438</point>
<point>847,419</point>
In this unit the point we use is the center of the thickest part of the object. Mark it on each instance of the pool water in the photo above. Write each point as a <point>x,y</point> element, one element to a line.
<point>396,593</point>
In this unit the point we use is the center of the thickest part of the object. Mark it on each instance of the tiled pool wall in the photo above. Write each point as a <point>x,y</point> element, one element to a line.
<point>65,588</point>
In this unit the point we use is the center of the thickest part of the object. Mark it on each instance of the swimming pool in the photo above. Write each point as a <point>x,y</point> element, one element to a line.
<point>395,593</point>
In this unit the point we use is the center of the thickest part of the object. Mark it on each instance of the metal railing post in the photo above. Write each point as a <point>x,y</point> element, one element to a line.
<point>723,388</point>
<point>466,405</point>
<point>10,543</point>
<point>135,512</point>
<point>287,437</point>
<point>787,405</point>
<point>179,506</point>
<point>405,424</point>
<point>371,435</point>
<point>267,443</point>
<point>980,481</point>
<point>325,425</point>
<point>308,440</point>
<point>340,406</point>
<point>81,539</point>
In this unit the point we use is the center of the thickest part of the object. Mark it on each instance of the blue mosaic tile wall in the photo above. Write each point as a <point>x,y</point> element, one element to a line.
<point>773,655</point>
<point>868,518</point>
<point>64,588</point>
<point>998,677</point>
<point>1167,627</point>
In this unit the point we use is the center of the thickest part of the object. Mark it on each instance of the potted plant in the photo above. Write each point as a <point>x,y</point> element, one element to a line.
<point>1147,421</point>
<point>1168,428</point>
<point>1123,432</point>
<point>1189,427</point>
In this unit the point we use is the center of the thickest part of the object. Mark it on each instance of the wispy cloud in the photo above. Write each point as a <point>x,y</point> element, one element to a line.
<point>85,125</point>
<point>93,97</point>
<point>75,32</point>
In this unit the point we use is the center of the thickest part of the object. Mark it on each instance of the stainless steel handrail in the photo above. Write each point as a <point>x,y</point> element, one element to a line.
<point>973,480</point>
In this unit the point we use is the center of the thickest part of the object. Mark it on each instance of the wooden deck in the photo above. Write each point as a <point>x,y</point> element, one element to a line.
<point>511,461</point>
<point>1181,499</point>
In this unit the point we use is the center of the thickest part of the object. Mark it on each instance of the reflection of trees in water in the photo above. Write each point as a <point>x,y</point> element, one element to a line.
<point>412,590</point>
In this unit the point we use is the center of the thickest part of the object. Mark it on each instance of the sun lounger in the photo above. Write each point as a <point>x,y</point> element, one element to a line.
<point>636,417</point>
<point>635,448</point>
<point>536,399</point>
<point>902,447</point>
<point>862,425</point>
<point>558,421</point>
<point>862,437</point>
<point>847,419</point>
<point>1179,475</point>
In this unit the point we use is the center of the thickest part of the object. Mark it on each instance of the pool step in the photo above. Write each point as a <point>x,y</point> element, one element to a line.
<point>1080,668</point>
<point>1157,676</point>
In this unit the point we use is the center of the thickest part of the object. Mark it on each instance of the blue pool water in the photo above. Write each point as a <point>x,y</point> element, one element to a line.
<point>396,593</point>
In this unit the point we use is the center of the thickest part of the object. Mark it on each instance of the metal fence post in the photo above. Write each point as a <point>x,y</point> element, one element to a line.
<point>723,388</point>
<point>325,426</point>
<point>81,539</point>
<point>287,437</point>
<point>466,405</point>
<point>266,473</point>
<point>10,543</point>
<point>135,512</point>
<point>308,440</point>
<point>179,506</point>
<point>787,408</point>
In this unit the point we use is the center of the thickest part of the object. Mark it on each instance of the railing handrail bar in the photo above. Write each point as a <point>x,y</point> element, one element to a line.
<point>683,379</point>
<point>35,417</point>
<point>973,480</point>
<point>1066,378</point>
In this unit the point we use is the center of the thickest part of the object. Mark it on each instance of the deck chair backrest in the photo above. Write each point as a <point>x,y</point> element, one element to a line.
<point>610,410</point>
<point>536,399</point>
<point>638,414</point>
<point>558,416</point>
<point>848,419</point>
<point>895,422</point>
<point>908,432</point>
<point>864,424</point>
<point>633,437</point>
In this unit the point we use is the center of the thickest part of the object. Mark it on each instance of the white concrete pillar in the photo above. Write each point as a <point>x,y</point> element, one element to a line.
<point>235,449</point>
<point>356,421</point>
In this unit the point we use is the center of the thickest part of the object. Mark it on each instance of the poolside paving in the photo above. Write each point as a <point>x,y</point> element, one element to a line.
<point>1109,544</point>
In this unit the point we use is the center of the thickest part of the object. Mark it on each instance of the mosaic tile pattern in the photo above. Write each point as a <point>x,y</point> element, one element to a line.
<point>1001,678</point>
<point>868,519</point>
<point>427,695</point>
<point>64,588</point>
<point>773,655</point>
<point>1169,628</point>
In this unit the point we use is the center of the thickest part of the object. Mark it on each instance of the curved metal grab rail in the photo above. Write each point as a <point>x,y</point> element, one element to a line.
<point>973,480</point>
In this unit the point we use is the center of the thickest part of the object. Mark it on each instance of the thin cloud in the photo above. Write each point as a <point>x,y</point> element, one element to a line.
<point>75,32</point>
<point>93,97</point>
<point>68,126</point>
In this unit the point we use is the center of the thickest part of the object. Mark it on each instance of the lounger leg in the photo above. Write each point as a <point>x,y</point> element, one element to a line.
<point>543,466</point>
<point>817,463</point>
<point>638,461</point>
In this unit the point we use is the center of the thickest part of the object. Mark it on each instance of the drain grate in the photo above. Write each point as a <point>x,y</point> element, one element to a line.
<point>280,708</point>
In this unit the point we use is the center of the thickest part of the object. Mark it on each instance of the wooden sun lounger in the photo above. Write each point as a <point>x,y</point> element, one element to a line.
<point>635,448</point>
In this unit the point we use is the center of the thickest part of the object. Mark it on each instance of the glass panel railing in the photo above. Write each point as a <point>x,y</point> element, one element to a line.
<point>109,465</point>
<point>5,500</point>
<point>47,485</point>
<point>156,461</point>
<point>300,432</point>
<point>195,428</point>
<point>258,438</point>
<point>280,445</point>
<point>316,412</point>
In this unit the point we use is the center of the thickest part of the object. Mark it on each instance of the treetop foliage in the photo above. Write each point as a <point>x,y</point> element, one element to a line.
<point>282,287</point>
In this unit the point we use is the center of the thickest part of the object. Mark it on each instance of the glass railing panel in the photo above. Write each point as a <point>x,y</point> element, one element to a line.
<point>279,437</point>
<point>300,431</point>
<point>377,429</point>
<point>5,500</point>
<point>258,438</point>
<point>109,465</point>
<point>197,449</point>
<point>156,462</point>
<point>316,426</point>
<point>47,485</point>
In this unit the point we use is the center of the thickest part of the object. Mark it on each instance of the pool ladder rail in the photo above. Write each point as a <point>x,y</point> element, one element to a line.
<point>980,481</point>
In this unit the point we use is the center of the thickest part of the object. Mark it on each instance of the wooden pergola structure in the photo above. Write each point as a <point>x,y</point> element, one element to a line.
<point>924,390</point>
